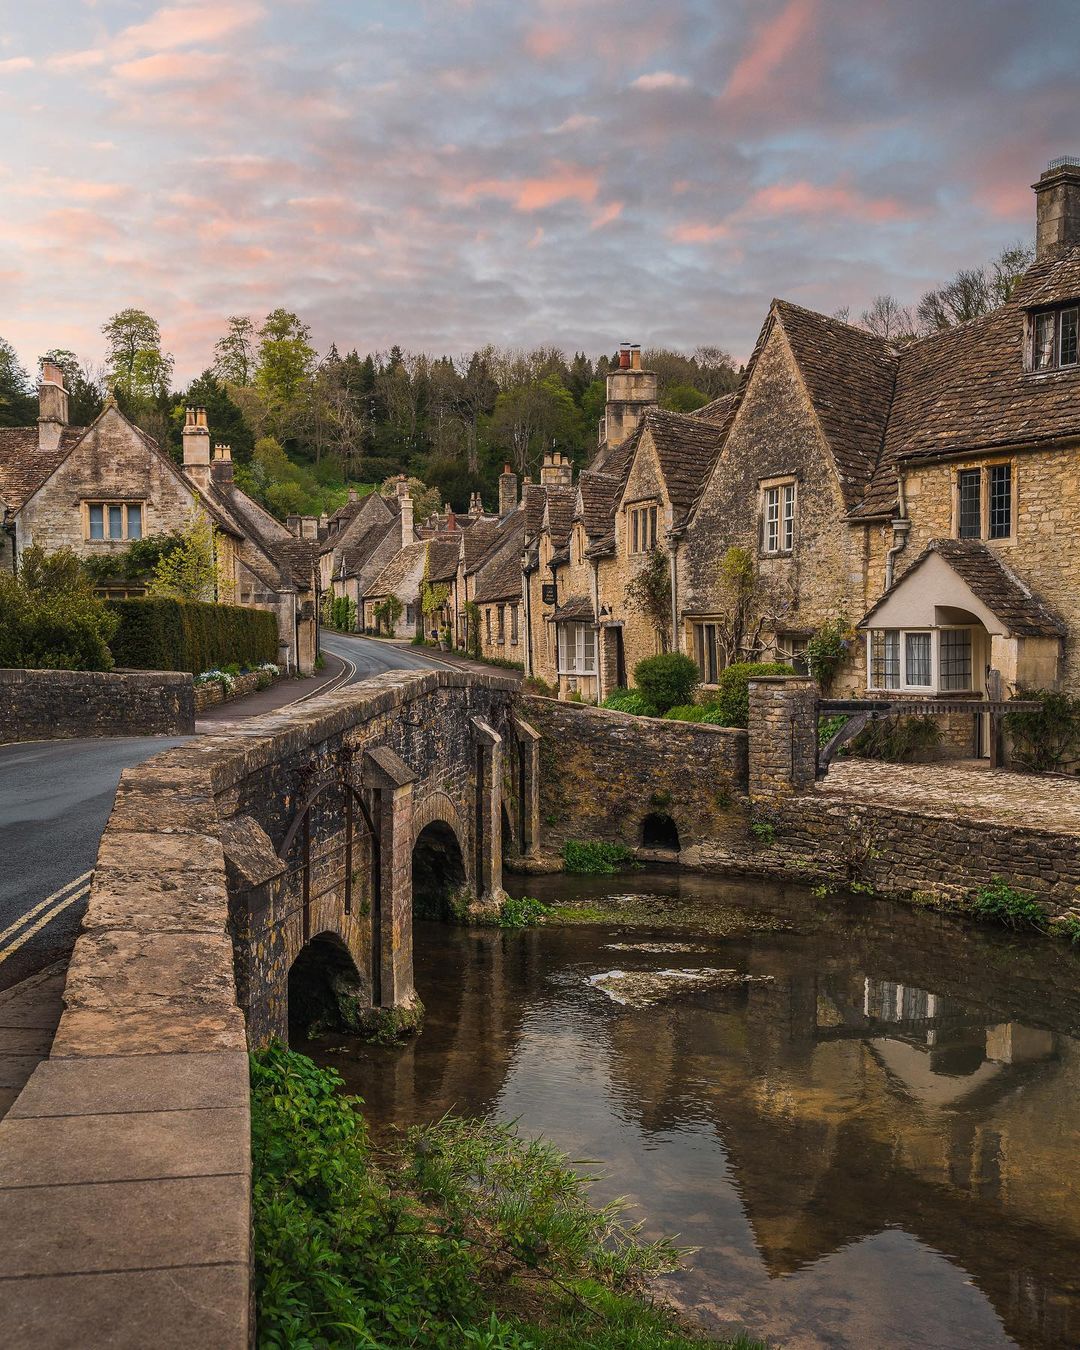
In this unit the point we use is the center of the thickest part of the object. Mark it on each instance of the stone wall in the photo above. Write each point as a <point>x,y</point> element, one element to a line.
<point>212,692</point>
<point>48,704</point>
<point>602,773</point>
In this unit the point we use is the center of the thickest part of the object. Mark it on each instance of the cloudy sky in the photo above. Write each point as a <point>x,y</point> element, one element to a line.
<point>444,173</point>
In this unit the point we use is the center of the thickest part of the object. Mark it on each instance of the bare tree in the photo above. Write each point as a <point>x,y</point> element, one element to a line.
<point>887,318</point>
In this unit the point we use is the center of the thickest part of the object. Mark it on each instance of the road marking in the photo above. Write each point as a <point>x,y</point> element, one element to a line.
<point>50,914</point>
<point>25,918</point>
<point>338,682</point>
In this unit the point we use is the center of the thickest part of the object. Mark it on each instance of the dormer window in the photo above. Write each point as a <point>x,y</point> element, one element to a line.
<point>1055,334</point>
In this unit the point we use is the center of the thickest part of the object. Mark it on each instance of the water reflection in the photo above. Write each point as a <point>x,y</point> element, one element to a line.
<point>873,1142</point>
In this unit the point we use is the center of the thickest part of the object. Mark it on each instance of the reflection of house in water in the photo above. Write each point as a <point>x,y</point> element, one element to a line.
<point>848,1104</point>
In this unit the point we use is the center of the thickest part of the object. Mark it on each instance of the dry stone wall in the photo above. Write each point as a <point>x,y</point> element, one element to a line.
<point>67,704</point>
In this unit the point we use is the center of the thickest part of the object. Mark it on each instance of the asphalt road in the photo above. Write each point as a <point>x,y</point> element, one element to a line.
<point>55,797</point>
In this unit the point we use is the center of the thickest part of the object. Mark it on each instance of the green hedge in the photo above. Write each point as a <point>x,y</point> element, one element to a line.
<point>160,634</point>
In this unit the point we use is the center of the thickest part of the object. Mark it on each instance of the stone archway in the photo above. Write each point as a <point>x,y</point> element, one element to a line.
<point>326,991</point>
<point>440,883</point>
<point>658,830</point>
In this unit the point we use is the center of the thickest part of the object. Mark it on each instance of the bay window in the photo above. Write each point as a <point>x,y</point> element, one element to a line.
<point>577,649</point>
<point>920,660</point>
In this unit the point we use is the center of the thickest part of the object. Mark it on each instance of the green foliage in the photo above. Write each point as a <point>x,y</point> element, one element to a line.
<point>684,398</point>
<point>137,370</point>
<point>83,389</point>
<point>339,612</point>
<point>666,680</point>
<point>535,684</point>
<point>629,701</point>
<point>827,650</point>
<point>595,856</point>
<point>649,592</point>
<point>521,912</point>
<point>417,1243</point>
<point>472,629</point>
<point>18,407</point>
<point>1001,903</point>
<point>427,501</point>
<point>1047,738</point>
<point>136,563</point>
<point>897,739</point>
<point>1067,928</point>
<point>387,613</point>
<point>730,703</point>
<point>50,618</point>
<point>828,727</point>
<point>189,570</point>
<point>687,712</point>
<point>167,634</point>
<point>763,832</point>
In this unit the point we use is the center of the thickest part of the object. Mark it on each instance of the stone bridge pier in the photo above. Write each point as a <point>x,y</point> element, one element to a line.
<point>321,828</point>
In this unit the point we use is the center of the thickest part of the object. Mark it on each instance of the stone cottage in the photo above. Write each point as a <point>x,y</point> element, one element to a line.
<point>97,489</point>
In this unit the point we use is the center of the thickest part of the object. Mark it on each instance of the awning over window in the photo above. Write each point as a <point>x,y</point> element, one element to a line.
<point>962,576</point>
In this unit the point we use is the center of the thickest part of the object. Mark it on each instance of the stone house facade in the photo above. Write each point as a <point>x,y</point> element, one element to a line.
<point>97,489</point>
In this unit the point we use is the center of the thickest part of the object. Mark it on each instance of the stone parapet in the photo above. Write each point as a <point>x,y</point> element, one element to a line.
<point>782,736</point>
<point>50,704</point>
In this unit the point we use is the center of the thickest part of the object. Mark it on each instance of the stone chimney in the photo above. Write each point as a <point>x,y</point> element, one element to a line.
<point>52,406</point>
<point>221,467</point>
<point>293,525</point>
<point>197,447</point>
<point>408,534</point>
<point>1057,205</point>
<point>557,470</point>
<point>476,506</point>
<point>309,527</point>
<point>401,486</point>
<point>508,491</point>
<point>630,390</point>
<point>451,519</point>
<point>354,496</point>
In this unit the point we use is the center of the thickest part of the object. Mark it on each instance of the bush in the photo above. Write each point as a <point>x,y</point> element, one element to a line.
<point>595,856</point>
<point>666,680</point>
<point>162,634</point>
<point>1000,903</point>
<point>731,701</point>
<point>897,739</point>
<point>629,701</point>
<point>687,712</point>
<point>50,618</point>
<point>521,912</point>
<point>828,727</point>
<point>1047,738</point>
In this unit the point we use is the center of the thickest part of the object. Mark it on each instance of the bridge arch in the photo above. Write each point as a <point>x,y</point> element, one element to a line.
<point>440,854</point>
<point>325,988</point>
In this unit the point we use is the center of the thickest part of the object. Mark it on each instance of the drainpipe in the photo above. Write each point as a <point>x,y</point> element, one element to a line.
<point>900,527</point>
<point>526,612</point>
<point>596,611</point>
<point>674,545</point>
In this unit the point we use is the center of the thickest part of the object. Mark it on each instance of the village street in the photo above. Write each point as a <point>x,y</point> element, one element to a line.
<point>55,797</point>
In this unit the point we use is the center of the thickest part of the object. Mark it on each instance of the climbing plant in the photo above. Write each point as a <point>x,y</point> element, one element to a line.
<point>432,597</point>
<point>472,629</point>
<point>827,649</point>
<point>649,592</point>
<point>388,613</point>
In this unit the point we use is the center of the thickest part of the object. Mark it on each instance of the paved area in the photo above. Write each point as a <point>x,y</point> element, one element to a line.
<point>29,1013</point>
<point>970,789</point>
<point>374,655</point>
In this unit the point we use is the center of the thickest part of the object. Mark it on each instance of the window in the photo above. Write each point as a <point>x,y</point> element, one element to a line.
<point>114,520</point>
<point>577,649</point>
<point>513,623</point>
<point>487,623</point>
<point>409,617</point>
<point>778,518</point>
<point>1054,339</point>
<point>501,629</point>
<point>791,648</point>
<point>917,670</point>
<point>920,660</point>
<point>969,500</point>
<point>642,529</point>
<point>885,658</point>
<point>955,658</point>
<point>705,651</point>
<point>1000,501</point>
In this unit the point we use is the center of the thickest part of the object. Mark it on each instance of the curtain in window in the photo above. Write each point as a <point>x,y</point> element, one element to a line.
<point>917,659</point>
<point>97,522</point>
<point>134,522</point>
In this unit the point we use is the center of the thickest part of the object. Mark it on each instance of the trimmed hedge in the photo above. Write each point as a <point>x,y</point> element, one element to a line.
<point>160,634</point>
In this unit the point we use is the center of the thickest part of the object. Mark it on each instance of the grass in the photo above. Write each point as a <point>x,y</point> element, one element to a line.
<point>460,1233</point>
<point>595,857</point>
<point>521,912</point>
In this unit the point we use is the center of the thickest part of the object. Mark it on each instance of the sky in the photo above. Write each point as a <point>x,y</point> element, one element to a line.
<point>446,173</point>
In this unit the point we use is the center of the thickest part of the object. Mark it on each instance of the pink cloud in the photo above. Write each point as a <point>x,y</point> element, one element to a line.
<point>16,63</point>
<point>564,183</point>
<point>83,60</point>
<point>176,26</point>
<point>774,42</point>
<point>167,68</point>
<point>606,215</point>
<point>807,199</point>
<point>660,79</point>
<point>697,232</point>
<point>75,225</point>
<point>544,43</point>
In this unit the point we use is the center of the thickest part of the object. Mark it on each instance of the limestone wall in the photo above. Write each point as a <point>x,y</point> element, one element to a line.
<point>602,773</point>
<point>46,704</point>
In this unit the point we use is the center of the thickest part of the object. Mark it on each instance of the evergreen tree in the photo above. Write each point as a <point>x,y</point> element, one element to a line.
<point>18,407</point>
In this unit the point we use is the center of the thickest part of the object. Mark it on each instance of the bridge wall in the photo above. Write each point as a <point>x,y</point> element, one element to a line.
<point>45,704</point>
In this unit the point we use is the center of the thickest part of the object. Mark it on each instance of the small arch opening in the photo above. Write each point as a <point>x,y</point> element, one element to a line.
<point>325,989</point>
<point>438,871</point>
<point>659,831</point>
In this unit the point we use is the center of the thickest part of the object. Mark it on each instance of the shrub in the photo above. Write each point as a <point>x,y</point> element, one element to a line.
<point>827,649</point>
<point>629,701</point>
<point>1048,737</point>
<point>666,680</point>
<point>163,634</point>
<point>521,912</point>
<point>731,701</point>
<point>1000,903</point>
<point>828,727</point>
<point>50,618</point>
<point>687,712</point>
<point>595,856</point>
<point>897,739</point>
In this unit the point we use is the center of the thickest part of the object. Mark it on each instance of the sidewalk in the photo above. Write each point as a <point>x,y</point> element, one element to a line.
<point>278,695</point>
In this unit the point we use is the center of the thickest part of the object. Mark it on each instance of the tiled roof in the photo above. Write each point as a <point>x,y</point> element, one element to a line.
<point>443,556</point>
<point>396,572</point>
<point>687,448</point>
<point>849,375</point>
<point>578,608</point>
<point>598,492</point>
<point>499,578</point>
<point>1050,280</point>
<point>989,580</point>
<point>719,411</point>
<point>24,467</point>
<point>560,512</point>
<point>478,541</point>
<point>296,559</point>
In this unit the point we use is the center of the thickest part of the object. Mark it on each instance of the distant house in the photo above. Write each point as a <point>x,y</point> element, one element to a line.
<point>97,489</point>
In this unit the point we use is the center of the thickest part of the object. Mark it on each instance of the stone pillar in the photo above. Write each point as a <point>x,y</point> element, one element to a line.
<point>782,736</point>
<point>528,804</point>
<point>488,831</point>
<point>392,957</point>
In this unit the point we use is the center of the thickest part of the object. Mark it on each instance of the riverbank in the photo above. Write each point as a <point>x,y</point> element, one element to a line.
<point>459,1233</point>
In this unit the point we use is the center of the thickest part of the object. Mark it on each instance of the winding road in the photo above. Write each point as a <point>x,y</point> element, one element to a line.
<point>55,797</point>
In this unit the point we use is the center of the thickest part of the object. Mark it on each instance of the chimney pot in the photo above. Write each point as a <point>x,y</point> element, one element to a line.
<point>1057,206</point>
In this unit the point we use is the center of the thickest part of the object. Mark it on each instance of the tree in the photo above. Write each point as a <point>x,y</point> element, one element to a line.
<point>683,398</point>
<point>531,418</point>
<point>83,387</point>
<point>228,425</point>
<point>137,370</point>
<point>427,501</point>
<point>887,318</point>
<point>649,592</point>
<point>234,354</point>
<point>192,570</point>
<point>50,618</point>
<point>747,606</point>
<point>17,407</point>
<point>284,370</point>
<point>975,291</point>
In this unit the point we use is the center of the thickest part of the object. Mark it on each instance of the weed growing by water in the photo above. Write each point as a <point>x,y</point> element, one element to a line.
<point>763,832</point>
<point>1000,903</point>
<point>1067,928</point>
<point>521,912</point>
<point>595,856</point>
<point>461,1234</point>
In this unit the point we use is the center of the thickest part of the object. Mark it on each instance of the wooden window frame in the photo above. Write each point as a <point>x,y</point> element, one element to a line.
<point>107,504</point>
<point>985,469</point>
<point>642,527</point>
<point>786,492</point>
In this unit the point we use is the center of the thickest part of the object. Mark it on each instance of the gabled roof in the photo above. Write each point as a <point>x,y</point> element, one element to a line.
<point>295,559</point>
<point>598,494</point>
<point>1019,610</point>
<point>24,466</point>
<point>576,608</point>
<point>719,411</point>
<point>533,500</point>
<point>1049,280</point>
<point>559,513</point>
<point>499,576</point>
<point>849,375</point>
<point>443,556</point>
<point>687,448</point>
<point>396,572</point>
<point>477,542</point>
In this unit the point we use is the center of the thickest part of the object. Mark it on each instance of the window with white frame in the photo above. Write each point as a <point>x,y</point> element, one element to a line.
<point>577,649</point>
<point>706,651</point>
<point>642,528</point>
<point>1054,339</point>
<point>778,517</point>
<point>920,660</point>
<point>114,520</point>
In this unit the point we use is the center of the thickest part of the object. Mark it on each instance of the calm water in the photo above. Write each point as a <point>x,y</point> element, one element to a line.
<point>877,1146</point>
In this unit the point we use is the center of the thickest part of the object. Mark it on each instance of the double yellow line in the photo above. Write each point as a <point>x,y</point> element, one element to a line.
<point>11,939</point>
